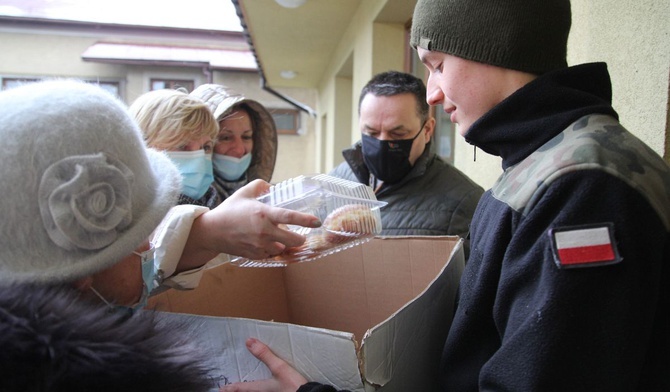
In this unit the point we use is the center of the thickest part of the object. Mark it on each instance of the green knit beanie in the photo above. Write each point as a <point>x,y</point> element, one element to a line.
<point>529,36</point>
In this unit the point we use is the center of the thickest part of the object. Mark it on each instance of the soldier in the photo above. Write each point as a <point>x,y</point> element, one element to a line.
<point>567,287</point>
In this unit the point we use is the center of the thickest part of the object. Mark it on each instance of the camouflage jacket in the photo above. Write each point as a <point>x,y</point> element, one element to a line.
<point>567,286</point>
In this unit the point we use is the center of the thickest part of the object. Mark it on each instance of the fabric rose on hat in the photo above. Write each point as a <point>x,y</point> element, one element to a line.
<point>85,201</point>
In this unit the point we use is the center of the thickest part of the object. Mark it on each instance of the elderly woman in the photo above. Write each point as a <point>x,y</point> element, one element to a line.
<point>82,245</point>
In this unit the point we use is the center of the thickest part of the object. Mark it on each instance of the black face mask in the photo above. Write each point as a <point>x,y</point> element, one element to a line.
<point>388,160</point>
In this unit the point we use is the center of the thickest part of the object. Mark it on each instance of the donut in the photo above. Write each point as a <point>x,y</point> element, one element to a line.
<point>351,219</point>
<point>342,225</point>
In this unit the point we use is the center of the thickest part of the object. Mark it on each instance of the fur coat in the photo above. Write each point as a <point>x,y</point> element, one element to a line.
<point>52,340</point>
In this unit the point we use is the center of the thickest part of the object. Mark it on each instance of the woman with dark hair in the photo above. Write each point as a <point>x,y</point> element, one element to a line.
<point>245,148</point>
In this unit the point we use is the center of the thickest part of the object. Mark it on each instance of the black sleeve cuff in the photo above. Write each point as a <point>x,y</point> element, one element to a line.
<point>317,387</point>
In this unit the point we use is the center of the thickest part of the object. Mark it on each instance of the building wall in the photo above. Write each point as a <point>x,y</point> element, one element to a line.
<point>633,37</point>
<point>296,154</point>
<point>50,53</point>
<point>365,49</point>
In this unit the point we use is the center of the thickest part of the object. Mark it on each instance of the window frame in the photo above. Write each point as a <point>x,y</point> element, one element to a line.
<point>296,120</point>
<point>117,87</point>
<point>172,83</point>
<point>443,138</point>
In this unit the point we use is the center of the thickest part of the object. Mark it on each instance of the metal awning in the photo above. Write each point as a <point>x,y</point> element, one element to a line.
<point>122,53</point>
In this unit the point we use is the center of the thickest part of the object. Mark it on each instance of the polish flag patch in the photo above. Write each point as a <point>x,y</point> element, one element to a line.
<point>584,246</point>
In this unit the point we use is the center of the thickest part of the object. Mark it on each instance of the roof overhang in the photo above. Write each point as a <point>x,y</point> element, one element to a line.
<point>305,39</point>
<point>302,39</point>
<point>139,54</point>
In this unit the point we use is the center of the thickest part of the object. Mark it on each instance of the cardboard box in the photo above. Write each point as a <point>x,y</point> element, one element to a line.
<point>372,317</point>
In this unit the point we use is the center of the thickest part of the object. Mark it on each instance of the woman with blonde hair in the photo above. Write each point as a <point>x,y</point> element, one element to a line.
<point>183,127</point>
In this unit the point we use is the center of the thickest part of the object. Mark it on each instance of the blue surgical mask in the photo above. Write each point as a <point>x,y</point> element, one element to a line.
<point>149,272</point>
<point>150,279</point>
<point>231,168</point>
<point>196,171</point>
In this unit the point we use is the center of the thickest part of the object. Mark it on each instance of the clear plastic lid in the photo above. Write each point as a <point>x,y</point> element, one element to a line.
<point>348,210</point>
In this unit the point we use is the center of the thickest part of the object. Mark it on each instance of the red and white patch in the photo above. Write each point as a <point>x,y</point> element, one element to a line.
<point>584,246</point>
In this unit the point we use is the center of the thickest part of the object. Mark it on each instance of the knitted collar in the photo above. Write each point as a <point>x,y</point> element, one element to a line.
<point>211,199</point>
<point>227,188</point>
<point>540,110</point>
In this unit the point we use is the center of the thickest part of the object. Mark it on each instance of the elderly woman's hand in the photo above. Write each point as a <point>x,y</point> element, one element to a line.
<point>244,226</point>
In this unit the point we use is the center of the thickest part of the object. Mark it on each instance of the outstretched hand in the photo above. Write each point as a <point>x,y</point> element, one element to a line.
<point>284,377</point>
<point>244,226</point>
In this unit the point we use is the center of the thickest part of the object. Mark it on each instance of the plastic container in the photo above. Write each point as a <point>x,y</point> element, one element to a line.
<point>349,212</point>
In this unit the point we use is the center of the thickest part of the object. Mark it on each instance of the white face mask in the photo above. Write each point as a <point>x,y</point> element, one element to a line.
<point>150,280</point>
<point>230,168</point>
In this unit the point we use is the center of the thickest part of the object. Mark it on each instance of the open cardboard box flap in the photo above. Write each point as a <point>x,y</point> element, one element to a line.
<point>394,295</point>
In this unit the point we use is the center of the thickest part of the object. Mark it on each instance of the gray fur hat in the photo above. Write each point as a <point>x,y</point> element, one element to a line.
<point>222,100</point>
<point>80,190</point>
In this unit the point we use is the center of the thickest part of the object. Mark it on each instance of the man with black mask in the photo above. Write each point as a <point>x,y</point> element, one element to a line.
<point>425,194</point>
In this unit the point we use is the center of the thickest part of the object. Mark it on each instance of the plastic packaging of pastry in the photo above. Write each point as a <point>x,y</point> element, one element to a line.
<point>348,210</point>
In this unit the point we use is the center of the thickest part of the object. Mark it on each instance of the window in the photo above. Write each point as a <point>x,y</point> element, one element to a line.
<point>8,83</point>
<point>173,84</point>
<point>443,138</point>
<point>113,87</point>
<point>286,120</point>
<point>413,64</point>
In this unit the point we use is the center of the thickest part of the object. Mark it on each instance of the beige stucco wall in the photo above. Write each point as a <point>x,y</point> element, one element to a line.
<point>52,53</point>
<point>351,63</point>
<point>296,154</point>
<point>367,47</point>
<point>633,37</point>
<point>42,54</point>
<point>48,53</point>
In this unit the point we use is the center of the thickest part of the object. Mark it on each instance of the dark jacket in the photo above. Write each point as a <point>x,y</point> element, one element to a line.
<point>53,341</point>
<point>527,320</point>
<point>434,198</point>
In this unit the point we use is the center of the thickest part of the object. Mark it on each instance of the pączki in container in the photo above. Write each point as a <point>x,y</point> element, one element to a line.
<point>349,212</point>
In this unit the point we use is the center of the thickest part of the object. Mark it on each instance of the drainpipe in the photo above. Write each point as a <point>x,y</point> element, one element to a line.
<point>290,100</point>
<point>208,74</point>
